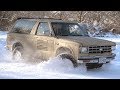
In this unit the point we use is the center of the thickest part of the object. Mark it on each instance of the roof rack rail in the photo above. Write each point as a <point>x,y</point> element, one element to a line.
<point>37,18</point>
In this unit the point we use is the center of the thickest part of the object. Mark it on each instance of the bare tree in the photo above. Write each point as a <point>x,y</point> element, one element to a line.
<point>110,20</point>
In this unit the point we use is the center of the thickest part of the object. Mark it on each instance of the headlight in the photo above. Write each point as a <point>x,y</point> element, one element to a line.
<point>113,48</point>
<point>84,50</point>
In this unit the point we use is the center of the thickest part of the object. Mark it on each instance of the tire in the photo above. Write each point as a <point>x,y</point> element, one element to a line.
<point>17,54</point>
<point>93,65</point>
<point>67,56</point>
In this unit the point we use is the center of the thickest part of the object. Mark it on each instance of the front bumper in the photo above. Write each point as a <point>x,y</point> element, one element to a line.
<point>96,59</point>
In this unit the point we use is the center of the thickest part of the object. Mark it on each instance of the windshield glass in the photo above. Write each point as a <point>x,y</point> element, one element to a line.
<point>67,29</point>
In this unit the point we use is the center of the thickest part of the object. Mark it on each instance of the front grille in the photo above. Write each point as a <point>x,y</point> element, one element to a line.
<point>99,49</point>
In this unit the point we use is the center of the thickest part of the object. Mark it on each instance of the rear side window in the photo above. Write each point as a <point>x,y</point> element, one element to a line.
<point>23,26</point>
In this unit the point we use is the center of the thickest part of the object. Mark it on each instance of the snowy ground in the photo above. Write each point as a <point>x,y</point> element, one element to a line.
<point>55,68</point>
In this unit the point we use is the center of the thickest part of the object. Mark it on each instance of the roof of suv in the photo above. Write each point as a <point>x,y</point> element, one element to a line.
<point>45,19</point>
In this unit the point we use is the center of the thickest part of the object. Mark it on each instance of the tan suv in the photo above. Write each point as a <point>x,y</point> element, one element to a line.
<point>44,38</point>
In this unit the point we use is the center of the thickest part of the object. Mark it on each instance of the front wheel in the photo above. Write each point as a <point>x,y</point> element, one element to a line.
<point>67,56</point>
<point>17,54</point>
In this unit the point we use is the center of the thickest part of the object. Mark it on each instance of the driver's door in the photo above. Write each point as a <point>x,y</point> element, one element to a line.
<point>45,43</point>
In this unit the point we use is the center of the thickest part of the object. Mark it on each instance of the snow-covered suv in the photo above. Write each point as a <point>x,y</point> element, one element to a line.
<point>44,38</point>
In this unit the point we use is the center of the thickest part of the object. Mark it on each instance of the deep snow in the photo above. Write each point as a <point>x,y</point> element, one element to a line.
<point>55,68</point>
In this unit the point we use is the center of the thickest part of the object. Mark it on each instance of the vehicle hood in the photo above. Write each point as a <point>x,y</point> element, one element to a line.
<point>88,41</point>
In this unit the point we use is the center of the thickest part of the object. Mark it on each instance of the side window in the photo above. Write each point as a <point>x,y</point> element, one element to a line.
<point>23,26</point>
<point>43,29</point>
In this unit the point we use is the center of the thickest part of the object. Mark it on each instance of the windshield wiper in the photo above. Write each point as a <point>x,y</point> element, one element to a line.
<point>77,35</point>
<point>62,35</point>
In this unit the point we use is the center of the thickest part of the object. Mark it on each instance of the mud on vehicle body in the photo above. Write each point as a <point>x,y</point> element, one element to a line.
<point>44,38</point>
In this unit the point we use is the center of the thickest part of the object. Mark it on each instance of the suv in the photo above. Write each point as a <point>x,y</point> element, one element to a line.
<point>42,38</point>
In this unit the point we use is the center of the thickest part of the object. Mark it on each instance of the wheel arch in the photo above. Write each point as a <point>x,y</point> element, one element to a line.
<point>16,44</point>
<point>64,49</point>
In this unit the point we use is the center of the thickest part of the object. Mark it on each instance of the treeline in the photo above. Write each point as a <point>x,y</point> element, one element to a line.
<point>108,20</point>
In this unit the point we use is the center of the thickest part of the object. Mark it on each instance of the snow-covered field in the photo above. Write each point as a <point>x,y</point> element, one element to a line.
<point>55,68</point>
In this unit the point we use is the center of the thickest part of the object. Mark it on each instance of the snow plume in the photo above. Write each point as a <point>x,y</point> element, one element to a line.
<point>53,68</point>
<point>61,65</point>
<point>4,54</point>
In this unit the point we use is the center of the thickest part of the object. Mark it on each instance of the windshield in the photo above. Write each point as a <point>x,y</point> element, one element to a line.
<point>67,29</point>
